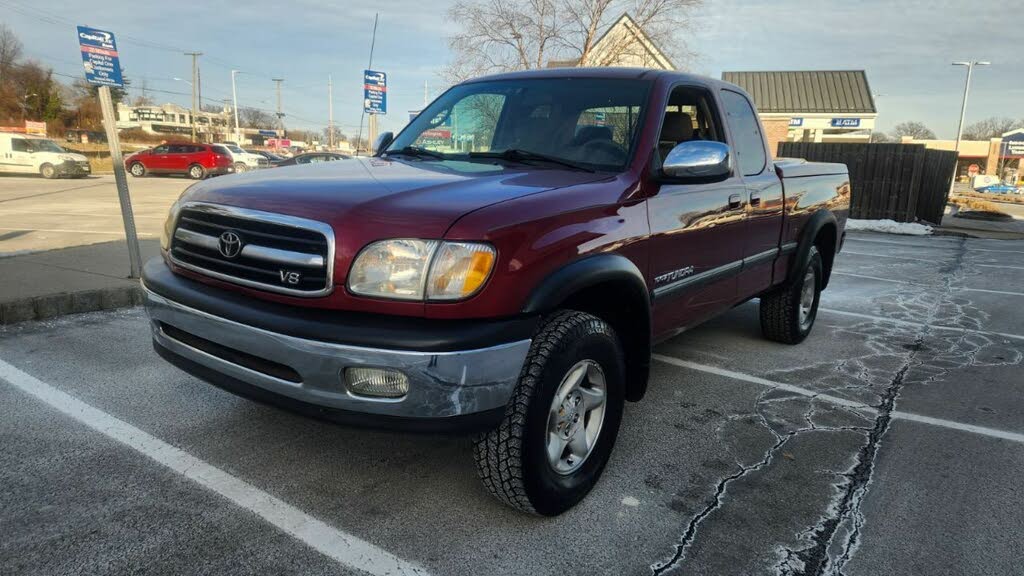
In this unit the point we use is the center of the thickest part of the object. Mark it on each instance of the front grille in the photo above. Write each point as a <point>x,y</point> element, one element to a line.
<point>273,252</point>
<point>231,355</point>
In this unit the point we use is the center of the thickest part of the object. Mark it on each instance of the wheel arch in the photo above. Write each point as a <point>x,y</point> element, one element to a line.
<point>821,230</point>
<point>611,287</point>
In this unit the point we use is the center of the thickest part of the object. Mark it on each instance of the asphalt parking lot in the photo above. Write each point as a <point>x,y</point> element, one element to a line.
<point>890,442</point>
<point>38,214</point>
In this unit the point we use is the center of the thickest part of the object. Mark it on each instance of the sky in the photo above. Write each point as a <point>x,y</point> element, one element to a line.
<point>906,47</point>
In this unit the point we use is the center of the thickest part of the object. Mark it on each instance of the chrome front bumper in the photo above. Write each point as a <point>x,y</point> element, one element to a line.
<point>441,384</point>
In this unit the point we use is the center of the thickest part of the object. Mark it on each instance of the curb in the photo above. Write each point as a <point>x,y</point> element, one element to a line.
<point>52,306</point>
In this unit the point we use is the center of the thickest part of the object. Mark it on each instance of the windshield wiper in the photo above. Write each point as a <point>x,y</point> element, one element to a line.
<point>417,152</point>
<point>520,155</point>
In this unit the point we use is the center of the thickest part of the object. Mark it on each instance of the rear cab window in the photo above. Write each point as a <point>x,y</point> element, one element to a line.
<point>746,133</point>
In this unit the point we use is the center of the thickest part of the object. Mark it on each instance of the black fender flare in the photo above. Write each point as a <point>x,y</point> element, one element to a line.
<point>589,271</point>
<point>810,231</point>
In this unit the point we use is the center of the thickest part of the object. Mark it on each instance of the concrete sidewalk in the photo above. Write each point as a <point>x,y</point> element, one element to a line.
<point>1012,230</point>
<point>42,285</point>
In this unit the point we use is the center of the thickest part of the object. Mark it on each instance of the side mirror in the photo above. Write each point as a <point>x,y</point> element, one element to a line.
<point>383,141</point>
<point>697,159</point>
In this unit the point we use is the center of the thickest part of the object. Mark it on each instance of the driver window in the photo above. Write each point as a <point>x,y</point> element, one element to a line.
<point>468,126</point>
<point>688,117</point>
<point>161,149</point>
<point>19,145</point>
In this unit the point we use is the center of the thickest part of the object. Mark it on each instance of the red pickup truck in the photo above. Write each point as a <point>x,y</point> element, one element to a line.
<point>503,265</point>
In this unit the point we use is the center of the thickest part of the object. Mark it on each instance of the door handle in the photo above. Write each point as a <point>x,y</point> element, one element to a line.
<point>755,199</point>
<point>734,201</point>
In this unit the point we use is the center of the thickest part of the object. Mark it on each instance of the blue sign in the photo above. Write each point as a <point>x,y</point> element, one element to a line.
<point>796,121</point>
<point>99,56</point>
<point>271,133</point>
<point>375,92</point>
<point>846,122</point>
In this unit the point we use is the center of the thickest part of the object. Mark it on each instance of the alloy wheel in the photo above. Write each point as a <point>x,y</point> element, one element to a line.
<point>576,416</point>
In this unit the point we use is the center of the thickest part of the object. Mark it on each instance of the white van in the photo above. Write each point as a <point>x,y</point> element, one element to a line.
<point>24,154</point>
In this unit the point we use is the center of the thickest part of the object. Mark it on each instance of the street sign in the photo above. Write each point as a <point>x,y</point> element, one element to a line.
<point>272,133</point>
<point>99,56</point>
<point>375,92</point>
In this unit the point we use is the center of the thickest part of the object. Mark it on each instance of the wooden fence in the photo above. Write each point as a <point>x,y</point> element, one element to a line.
<point>902,182</point>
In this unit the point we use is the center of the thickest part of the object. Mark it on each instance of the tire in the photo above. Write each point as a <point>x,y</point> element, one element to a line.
<point>196,172</point>
<point>137,170</point>
<point>48,171</point>
<point>513,459</point>
<point>788,313</point>
<point>241,167</point>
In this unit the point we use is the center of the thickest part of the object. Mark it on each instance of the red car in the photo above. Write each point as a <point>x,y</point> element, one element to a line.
<point>197,161</point>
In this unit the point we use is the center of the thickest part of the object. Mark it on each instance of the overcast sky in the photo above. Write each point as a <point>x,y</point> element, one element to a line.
<point>905,47</point>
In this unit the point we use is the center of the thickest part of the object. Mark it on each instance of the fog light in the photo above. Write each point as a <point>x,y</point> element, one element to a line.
<point>376,382</point>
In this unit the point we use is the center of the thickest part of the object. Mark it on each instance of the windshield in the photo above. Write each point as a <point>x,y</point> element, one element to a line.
<point>587,121</point>
<point>234,149</point>
<point>45,146</point>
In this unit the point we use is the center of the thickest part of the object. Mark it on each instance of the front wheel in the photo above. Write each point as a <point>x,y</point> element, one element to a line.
<point>48,171</point>
<point>561,422</point>
<point>241,167</point>
<point>788,313</point>
<point>137,170</point>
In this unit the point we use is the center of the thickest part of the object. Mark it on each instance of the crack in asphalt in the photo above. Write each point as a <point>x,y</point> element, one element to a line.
<point>834,539</point>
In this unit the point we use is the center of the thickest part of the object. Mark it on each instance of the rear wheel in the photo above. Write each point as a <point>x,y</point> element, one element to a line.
<point>788,313</point>
<point>196,172</point>
<point>137,170</point>
<point>48,171</point>
<point>561,423</point>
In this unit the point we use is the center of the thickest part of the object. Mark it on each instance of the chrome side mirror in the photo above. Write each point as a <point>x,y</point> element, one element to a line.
<point>383,141</point>
<point>697,159</point>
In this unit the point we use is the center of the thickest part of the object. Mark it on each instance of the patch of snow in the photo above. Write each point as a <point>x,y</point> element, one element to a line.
<point>630,501</point>
<point>889,227</point>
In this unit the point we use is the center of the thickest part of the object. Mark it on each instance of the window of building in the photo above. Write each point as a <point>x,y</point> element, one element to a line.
<point>746,133</point>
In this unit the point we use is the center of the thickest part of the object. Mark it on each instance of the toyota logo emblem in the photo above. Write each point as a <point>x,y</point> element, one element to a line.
<point>230,245</point>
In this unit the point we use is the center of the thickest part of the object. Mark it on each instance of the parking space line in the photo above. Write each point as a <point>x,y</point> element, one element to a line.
<point>993,291</point>
<point>969,248</point>
<point>340,546</point>
<point>895,281</point>
<point>914,324</point>
<point>1001,266</point>
<point>886,256</point>
<point>898,414</point>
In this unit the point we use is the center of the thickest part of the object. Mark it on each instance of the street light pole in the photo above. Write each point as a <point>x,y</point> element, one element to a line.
<point>967,88</point>
<point>234,107</point>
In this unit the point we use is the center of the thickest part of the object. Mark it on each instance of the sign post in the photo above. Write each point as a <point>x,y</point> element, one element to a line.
<point>103,69</point>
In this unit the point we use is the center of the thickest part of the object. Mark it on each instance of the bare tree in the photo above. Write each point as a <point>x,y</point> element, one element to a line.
<point>506,35</point>
<point>915,130</point>
<point>255,118</point>
<point>10,51</point>
<point>991,128</point>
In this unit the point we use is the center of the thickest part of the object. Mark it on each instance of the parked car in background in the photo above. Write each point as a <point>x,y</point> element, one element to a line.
<point>514,288</point>
<point>244,161</point>
<point>270,156</point>
<point>80,136</point>
<point>24,154</point>
<point>197,161</point>
<point>312,158</point>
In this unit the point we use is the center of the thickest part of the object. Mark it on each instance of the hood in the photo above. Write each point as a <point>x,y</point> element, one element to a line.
<point>374,197</point>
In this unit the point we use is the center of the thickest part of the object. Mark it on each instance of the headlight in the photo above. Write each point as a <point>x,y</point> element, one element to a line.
<point>168,230</point>
<point>411,269</point>
<point>67,157</point>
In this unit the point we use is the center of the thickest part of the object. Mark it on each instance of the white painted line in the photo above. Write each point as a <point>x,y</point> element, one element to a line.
<point>896,414</point>
<point>107,233</point>
<point>886,256</point>
<point>755,380</point>
<point>894,281</point>
<point>994,291</point>
<point>945,245</point>
<point>1000,266</point>
<point>340,546</point>
<point>913,324</point>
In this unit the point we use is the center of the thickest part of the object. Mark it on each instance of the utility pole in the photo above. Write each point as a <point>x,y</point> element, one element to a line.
<point>234,107</point>
<point>369,66</point>
<point>330,112</point>
<point>280,115</point>
<point>967,88</point>
<point>195,80</point>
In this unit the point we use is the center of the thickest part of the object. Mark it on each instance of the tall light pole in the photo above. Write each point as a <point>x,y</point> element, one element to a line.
<point>330,112</point>
<point>280,115</point>
<point>234,107</point>
<point>195,80</point>
<point>967,88</point>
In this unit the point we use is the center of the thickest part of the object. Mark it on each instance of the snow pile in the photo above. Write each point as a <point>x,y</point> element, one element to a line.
<point>889,227</point>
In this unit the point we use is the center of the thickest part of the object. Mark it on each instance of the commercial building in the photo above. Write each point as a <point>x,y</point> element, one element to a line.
<point>1001,157</point>
<point>811,105</point>
<point>173,120</point>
